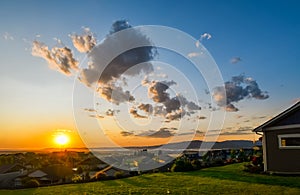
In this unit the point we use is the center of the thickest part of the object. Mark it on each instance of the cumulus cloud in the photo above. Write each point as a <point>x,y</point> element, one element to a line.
<point>147,108</point>
<point>237,89</point>
<point>84,42</point>
<point>235,60</point>
<point>106,75</point>
<point>157,90</point>
<point>173,108</point>
<point>125,62</point>
<point>114,94</point>
<point>59,58</point>
<point>135,113</point>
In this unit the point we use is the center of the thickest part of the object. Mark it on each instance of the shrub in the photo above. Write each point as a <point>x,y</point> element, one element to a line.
<point>119,174</point>
<point>181,165</point>
<point>101,175</point>
<point>77,178</point>
<point>32,183</point>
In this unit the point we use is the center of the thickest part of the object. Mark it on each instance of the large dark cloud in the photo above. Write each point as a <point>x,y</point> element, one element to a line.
<point>237,89</point>
<point>129,63</point>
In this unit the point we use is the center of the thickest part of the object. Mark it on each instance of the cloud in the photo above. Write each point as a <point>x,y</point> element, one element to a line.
<point>125,62</point>
<point>59,58</point>
<point>193,54</point>
<point>173,108</point>
<point>147,108</point>
<point>90,110</point>
<point>135,114</point>
<point>110,112</point>
<point>237,89</point>
<point>8,37</point>
<point>231,108</point>
<point>161,133</point>
<point>235,60</point>
<point>126,133</point>
<point>201,117</point>
<point>85,42</point>
<point>157,90</point>
<point>115,94</point>
<point>205,36</point>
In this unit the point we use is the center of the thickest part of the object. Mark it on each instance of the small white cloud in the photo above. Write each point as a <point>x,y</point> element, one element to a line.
<point>205,36</point>
<point>193,54</point>
<point>197,43</point>
<point>8,36</point>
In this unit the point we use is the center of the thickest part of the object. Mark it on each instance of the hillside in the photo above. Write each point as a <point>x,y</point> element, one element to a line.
<point>228,179</point>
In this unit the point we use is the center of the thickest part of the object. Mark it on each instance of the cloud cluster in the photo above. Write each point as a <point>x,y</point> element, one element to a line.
<point>59,58</point>
<point>109,77</point>
<point>147,108</point>
<point>114,94</point>
<point>172,108</point>
<point>135,113</point>
<point>237,89</point>
<point>85,42</point>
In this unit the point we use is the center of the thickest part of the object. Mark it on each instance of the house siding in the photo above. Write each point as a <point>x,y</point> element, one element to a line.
<point>281,160</point>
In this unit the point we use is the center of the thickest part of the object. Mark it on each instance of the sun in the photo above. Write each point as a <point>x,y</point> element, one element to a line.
<point>61,139</point>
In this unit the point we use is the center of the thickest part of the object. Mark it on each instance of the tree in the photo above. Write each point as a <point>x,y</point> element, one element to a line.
<point>182,164</point>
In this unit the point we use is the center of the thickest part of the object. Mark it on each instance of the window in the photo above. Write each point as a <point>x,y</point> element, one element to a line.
<point>289,141</point>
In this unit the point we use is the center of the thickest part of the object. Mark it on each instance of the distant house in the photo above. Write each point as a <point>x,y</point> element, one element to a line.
<point>9,175</point>
<point>281,141</point>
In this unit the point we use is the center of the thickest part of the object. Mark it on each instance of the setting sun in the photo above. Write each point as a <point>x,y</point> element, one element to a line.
<point>61,139</point>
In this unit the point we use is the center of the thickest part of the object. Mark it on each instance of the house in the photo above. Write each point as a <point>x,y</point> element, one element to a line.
<point>281,142</point>
<point>9,175</point>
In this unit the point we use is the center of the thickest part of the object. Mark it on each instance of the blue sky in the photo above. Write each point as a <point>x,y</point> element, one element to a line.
<point>264,34</point>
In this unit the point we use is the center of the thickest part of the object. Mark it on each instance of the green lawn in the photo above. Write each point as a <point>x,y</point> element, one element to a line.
<point>228,179</point>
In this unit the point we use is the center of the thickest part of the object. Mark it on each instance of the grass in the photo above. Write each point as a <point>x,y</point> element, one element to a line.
<point>230,179</point>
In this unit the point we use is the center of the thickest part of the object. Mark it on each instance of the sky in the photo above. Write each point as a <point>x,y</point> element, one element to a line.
<point>254,45</point>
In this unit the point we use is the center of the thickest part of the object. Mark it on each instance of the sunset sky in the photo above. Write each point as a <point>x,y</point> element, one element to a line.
<point>255,45</point>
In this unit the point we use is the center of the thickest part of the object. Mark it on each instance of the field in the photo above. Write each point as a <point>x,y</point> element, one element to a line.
<point>230,179</point>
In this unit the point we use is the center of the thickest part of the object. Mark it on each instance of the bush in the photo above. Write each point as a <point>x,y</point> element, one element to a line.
<point>77,178</point>
<point>181,165</point>
<point>119,174</point>
<point>101,175</point>
<point>32,183</point>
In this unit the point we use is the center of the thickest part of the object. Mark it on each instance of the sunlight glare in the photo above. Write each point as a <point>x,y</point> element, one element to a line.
<point>61,139</point>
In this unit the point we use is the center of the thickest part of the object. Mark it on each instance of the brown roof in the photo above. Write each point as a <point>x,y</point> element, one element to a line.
<point>278,117</point>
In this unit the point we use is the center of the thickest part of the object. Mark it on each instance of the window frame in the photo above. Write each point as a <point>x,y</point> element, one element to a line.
<point>288,136</point>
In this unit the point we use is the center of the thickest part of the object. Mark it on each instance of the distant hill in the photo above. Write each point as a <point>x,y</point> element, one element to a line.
<point>232,144</point>
<point>195,144</point>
